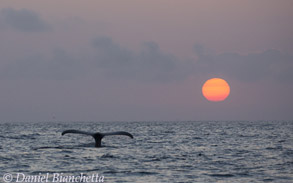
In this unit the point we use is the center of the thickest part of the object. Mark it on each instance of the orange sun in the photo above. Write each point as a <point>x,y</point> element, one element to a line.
<point>216,89</point>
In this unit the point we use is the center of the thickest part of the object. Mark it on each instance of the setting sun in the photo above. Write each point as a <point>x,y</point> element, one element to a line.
<point>216,89</point>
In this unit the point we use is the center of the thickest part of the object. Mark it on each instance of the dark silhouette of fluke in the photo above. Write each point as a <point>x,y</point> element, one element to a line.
<point>98,136</point>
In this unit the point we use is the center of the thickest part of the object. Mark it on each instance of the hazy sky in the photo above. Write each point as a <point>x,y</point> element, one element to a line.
<point>145,60</point>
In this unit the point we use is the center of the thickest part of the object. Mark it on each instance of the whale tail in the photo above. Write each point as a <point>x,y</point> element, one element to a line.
<point>98,136</point>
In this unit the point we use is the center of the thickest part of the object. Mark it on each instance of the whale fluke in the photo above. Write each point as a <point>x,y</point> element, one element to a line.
<point>76,131</point>
<point>98,136</point>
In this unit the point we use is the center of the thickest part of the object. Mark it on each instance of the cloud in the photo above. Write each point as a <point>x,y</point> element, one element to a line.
<point>22,20</point>
<point>111,55</point>
<point>148,64</point>
<point>151,64</point>
<point>272,64</point>
<point>59,65</point>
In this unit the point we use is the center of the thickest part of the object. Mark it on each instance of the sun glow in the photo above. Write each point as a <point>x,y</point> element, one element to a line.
<point>216,89</point>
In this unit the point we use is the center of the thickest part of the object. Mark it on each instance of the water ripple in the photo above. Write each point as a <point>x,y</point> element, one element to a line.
<point>239,151</point>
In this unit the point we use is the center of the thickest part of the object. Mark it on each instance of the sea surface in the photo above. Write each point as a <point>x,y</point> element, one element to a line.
<point>199,151</point>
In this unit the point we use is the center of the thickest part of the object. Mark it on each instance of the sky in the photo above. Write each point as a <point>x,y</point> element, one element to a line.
<point>145,60</point>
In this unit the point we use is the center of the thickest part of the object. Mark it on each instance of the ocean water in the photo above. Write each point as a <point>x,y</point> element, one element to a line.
<point>168,152</point>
